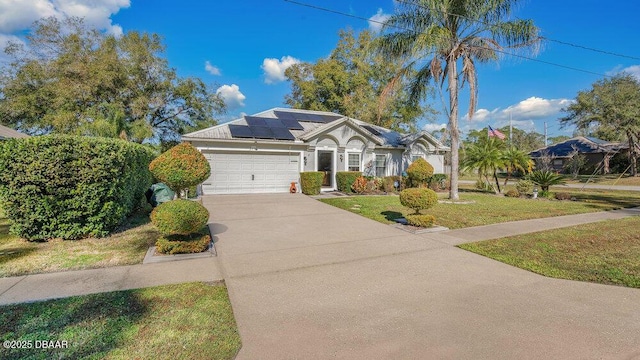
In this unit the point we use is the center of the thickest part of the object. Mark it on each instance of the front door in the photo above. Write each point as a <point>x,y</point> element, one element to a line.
<point>325,165</point>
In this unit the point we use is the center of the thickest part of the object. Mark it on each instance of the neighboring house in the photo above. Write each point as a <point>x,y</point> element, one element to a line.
<point>6,133</point>
<point>597,152</point>
<point>267,151</point>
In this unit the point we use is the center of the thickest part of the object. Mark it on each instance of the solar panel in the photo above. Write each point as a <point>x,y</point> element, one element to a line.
<point>284,115</point>
<point>261,132</point>
<point>372,130</point>
<point>282,134</point>
<point>255,121</point>
<point>240,131</point>
<point>276,123</point>
<point>292,124</point>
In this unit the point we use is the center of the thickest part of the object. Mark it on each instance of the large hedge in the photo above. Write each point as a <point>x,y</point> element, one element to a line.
<point>345,180</point>
<point>181,167</point>
<point>311,182</point>
<point>70,187</point>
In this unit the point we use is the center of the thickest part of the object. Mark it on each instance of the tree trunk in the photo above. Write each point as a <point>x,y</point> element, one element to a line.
<point>633,155</point>
<point>495,176</point>
<point>452,76</point>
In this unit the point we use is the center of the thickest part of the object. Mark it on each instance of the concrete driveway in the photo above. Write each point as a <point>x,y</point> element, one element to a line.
<point>310,281</point>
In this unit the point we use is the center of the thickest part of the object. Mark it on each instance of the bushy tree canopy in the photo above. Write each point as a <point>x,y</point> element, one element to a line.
<point>72,79</point>
<point>356,82</point>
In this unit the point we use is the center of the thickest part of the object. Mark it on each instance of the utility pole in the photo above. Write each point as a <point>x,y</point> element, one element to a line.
<point>545,133</point>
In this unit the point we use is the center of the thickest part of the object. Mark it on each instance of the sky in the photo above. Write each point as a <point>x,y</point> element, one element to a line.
<point>241,48</point>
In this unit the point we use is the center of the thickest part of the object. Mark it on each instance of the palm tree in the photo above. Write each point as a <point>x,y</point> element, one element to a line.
<point>435,35</point>
<point>516,160</point>
<point>546,178</point>
<point>487,156</point>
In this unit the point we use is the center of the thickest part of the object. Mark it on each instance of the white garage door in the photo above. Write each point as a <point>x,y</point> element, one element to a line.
<point>251,172</point>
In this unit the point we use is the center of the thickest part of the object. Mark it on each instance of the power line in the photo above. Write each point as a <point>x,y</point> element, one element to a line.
<point>542,37</point>
<point>311,6</point>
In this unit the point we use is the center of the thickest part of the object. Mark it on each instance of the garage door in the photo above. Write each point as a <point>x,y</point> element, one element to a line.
<point>251,172</point>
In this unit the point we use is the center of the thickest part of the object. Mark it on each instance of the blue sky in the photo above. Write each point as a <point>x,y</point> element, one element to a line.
<point>241,48</point>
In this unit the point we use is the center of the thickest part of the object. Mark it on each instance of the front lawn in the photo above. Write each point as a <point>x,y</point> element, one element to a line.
<point>605,252</point>
<point>488,208</point>
<point>126,246</point>
<point>187,321</point>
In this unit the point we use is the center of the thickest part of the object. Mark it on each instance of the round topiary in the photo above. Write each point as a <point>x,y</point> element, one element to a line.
<point>419,172</point>
<point>425,221</point>
<point>179,217</point>
<point>181,167</point>
<point>512,193</point>
<point>195,243</point>
<point>418,199</point>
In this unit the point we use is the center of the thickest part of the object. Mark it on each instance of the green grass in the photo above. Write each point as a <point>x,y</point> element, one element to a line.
<point>126,246</point>
<point>606,252</point>
<point>187,321</point>
<point>611,179</point>
<point>488,208</point>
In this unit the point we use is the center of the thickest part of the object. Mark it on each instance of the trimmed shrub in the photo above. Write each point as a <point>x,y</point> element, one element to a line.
<point>388,183</point>
<point>311,182</point>
<point>418,199</point>
<point>71,187</point>
<point>545,179</point>
<point>345,180</point>
<point>524,186</point>
<point>195,243</point>
<point>181,167</point>
<point>420,220</point>
<point>360,185</point>
<point>512,193</point>
<point>438,182</point>
<point>563,196</point>
<point>179,217</point>
<point>419,172</point>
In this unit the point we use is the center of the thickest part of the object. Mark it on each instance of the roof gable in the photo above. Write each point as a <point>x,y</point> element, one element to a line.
<point>582,144</point>
<point>345,121</point>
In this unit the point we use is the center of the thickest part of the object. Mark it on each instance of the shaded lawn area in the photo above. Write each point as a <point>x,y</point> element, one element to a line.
<point>606,252</point>
<point>186,321</point>
<point>126,246</point>
<point>610,179</point>
<point>489,208</point>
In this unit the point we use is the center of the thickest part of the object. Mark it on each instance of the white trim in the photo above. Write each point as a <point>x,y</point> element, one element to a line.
<point>347,153</point>
<point>334,161</point>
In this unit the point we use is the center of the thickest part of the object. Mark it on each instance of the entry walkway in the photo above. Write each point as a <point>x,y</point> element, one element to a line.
<point>311,281</point>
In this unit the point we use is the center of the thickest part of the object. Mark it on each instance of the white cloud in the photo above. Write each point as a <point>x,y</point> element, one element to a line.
<point>431,127</point>
<point>633,70</point>
<point>231,95</point>
<point>211,69</point>
<point>528,109</point>
<point>274,69</point>
<point>17,15</point>
<point>376,22</point>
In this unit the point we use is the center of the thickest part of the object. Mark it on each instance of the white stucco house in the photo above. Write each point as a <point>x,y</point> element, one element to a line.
<point>265,152</point>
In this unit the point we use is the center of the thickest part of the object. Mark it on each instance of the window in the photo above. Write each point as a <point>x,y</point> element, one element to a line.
<point>416,157</point>
<point>354,162</point>
<point>380,165</point>
<point>557,162</point>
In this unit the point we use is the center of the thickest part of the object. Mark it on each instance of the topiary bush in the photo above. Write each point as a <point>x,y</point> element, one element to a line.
<point>71,187</point>
<point>418,199</point>
<point>512,193</point>
<point>179,217</point>
<point>311,182</point>
<point>419,172</point>
<point>524,186</point>
<point>345,180</point>
<point>181,167</point>
<point>194,243</point>
<point>421,220</point>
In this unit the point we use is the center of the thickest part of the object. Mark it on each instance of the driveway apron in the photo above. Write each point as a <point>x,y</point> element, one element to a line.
<point>310,281</point>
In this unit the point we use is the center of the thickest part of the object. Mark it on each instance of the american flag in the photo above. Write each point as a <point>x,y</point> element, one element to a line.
<point>491,132</point>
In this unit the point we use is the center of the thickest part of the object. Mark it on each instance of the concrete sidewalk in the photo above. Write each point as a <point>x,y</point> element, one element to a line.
<point>38,287</point>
